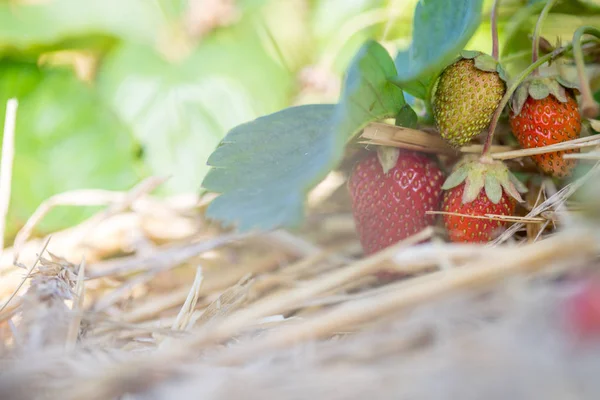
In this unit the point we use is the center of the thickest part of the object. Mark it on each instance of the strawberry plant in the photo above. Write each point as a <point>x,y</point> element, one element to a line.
<point>451,88</point>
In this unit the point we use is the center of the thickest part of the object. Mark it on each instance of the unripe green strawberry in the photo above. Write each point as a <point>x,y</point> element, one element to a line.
<point>466,95</point>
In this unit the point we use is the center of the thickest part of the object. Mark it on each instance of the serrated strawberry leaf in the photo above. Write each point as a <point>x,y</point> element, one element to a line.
<point>263,169</point>
<point>418,88</point>
<point>441,29</point>
<point>368,95</point>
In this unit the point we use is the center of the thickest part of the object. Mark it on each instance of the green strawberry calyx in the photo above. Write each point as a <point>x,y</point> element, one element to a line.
<point>484,62</point>
<point>540,87</point>
<point>484,173</point>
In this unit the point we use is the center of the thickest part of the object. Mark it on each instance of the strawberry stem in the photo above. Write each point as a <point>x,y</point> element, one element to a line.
<point>538,31</point>
<point>494,21</point>
<point>589,107</point>
<point>509,92</point>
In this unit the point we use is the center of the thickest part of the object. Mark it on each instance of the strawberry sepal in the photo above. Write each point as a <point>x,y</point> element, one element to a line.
<point>490,175</point>
<point>539,88</point>
<point>484,62</point>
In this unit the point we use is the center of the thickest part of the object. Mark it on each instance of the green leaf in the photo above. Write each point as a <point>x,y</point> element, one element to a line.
<point>265,167</point>
<point>368,95</point>
<point>65,139</point>
<point>179,112</point>
<point>418,88</point>
<point>407,117</point>
<point>441,29</point>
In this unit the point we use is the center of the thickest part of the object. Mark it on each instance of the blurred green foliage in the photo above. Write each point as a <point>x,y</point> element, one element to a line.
<point>111,92</point>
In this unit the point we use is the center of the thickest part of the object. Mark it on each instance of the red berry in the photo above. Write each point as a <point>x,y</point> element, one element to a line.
<point>392,206</point>
<point>475,188</point>
<point>474,230</point>
<point>544,122</point>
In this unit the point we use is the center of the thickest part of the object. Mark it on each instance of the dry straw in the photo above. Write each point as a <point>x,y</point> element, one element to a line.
<point>413,139</point>
<point>150,298</point>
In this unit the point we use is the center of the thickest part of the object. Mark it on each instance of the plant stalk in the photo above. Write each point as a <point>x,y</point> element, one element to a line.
<point>589,107</point>
<point>538,31</point>
<point>509,92</point>
<point>494,23</point>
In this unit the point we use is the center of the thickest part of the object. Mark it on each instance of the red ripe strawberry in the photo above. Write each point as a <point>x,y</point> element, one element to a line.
<point>545,112</point>
<point>472,230</point>
<point>474,189</point>
<point>391,191</point>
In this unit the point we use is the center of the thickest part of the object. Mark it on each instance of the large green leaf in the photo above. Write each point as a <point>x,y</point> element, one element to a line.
<point>441,29</point>
<point>418,87</point>
<point>263,169</point>
<point>180,111</point>
<point>65,139</point>
<point>368,95</point>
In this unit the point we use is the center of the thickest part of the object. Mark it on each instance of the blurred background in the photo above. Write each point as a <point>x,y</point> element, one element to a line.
<point>111,92</point>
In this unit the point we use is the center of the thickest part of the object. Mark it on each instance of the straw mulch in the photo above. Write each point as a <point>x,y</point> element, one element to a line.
<point>149,300</point>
